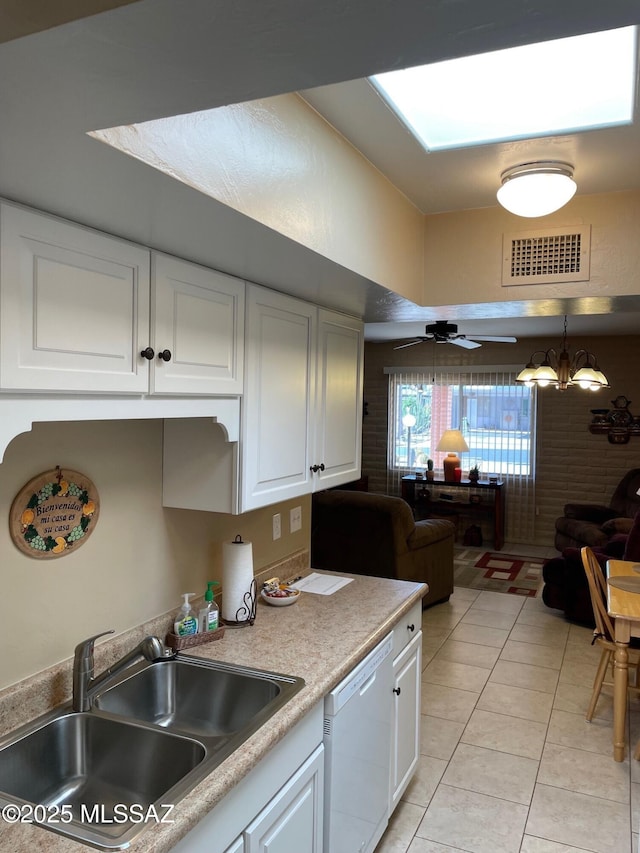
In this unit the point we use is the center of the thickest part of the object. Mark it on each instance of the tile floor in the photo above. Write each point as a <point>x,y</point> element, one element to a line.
<point>508,763</point>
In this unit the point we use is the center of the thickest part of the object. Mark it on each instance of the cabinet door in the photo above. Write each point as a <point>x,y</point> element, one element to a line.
<point>198,321</point>
<point>279,377</point>
<point>405,732</point>
<point>338,410</point>
<point>292,821</point>
<point>74,307</point>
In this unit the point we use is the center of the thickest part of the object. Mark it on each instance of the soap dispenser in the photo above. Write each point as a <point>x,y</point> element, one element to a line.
<point>208,613</point>
<point>185,622</point>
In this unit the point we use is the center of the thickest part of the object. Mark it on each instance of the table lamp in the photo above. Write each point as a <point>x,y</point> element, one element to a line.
<point>452,442</point>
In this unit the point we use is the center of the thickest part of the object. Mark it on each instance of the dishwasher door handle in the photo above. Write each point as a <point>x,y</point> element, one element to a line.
<point>368,683</point>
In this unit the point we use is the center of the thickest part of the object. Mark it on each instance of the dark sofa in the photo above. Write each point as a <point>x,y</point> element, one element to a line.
<point>371,534</point>
<point>566,586</point>
<point>595,524</point>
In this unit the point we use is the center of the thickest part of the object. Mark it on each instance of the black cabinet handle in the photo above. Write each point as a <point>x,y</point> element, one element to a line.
<point>411,627</point>
<point>165,355</point>
<point>396,690</point>
<point>316,468</point>
<point>321,466</point>
<point>147,353</point>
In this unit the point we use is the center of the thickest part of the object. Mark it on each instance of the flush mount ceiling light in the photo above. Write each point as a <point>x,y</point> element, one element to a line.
<point>562,371</point>
<point>536,189</point>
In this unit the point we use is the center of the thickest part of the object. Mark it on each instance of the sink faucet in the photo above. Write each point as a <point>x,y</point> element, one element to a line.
<point>84,683</point>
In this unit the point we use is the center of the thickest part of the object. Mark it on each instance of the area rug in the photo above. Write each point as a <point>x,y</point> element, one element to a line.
<point>498,572</point>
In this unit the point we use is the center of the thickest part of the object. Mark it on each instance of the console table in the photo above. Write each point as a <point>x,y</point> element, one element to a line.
<point>424,498</point>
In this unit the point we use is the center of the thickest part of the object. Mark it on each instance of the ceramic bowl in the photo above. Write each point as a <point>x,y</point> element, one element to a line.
<point>281,600</point>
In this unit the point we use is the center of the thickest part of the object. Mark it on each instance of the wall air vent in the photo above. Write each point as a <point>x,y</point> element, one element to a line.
<point>545,257</point>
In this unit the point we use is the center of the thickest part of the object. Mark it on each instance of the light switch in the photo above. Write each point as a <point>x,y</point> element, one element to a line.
<point>295,519</point>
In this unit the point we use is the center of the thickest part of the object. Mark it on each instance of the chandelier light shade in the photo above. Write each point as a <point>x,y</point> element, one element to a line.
<point>536,189</point>
<point>561,370</point>
<point>452,442</point>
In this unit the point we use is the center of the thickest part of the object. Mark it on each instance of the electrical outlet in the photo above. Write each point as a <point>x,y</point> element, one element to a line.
<point>295,519</point>
<point>277,526</point>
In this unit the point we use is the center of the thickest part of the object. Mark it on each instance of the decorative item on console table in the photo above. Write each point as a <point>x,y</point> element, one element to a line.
<point>474,474</point>
<point>452,442</point>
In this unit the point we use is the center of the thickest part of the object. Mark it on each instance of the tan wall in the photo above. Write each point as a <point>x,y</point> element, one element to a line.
<point>571,463</point>
<point>140,556</point>
<point>277,161</point>
<point>463,252</point>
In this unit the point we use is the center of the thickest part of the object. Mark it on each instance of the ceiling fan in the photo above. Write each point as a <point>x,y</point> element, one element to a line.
<point>447,333</point>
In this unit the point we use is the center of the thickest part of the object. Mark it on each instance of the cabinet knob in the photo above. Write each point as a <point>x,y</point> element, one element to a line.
<point>321,466</point>
<point>397,691</point>
<point>165,355</point>
<point>316,468</point>
<point>411,627</point>
<point>147,353</point>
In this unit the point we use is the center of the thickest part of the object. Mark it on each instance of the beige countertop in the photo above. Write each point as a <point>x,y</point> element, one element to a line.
<point>319,638</point>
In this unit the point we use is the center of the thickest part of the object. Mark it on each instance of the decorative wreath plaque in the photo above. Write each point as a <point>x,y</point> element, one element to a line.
<point>54,513</point>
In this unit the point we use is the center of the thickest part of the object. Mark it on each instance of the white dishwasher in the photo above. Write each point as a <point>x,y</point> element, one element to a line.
<point>357,741</point>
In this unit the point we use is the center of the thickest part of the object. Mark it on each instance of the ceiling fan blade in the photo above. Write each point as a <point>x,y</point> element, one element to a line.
<point>498,339</point>
<point>410,343</point>
<point>464,343</point>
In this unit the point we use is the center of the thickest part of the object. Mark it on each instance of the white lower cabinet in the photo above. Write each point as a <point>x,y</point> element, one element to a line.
<point>277,807</point>
<point>405,726</point>
<point>293,818</point>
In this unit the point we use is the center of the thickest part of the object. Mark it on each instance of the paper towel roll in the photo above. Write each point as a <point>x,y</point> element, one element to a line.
<point>237,580</point>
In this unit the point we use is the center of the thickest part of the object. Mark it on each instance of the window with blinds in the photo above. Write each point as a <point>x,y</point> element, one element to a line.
<point>496,417</point>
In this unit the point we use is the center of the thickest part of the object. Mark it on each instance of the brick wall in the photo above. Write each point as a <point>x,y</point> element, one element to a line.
<point>571,463</point>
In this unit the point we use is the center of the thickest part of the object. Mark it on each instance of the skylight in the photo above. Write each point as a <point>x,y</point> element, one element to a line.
<point>554,87</point>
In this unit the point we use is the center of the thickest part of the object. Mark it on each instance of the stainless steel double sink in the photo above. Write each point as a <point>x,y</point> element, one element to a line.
<point>102,776</point>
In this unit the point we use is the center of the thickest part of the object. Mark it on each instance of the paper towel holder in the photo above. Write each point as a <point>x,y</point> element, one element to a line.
<point>246,613</point>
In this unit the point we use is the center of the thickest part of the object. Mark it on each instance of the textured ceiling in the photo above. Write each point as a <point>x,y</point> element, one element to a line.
<point>155,58</point>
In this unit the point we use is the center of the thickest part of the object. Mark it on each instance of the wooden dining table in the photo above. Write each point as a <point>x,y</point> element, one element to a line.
<point>624,608</point>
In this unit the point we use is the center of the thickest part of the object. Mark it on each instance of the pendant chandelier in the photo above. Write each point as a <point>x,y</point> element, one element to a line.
<point>562,371</point>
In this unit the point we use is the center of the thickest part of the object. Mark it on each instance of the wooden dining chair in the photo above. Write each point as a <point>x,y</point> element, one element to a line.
<point>603,633</point>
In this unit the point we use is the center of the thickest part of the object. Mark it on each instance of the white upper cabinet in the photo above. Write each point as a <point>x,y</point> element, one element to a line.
<point>74,307</point>
<point>198,329</point>
<point>338,411</point>
<point>279,393</point>
<point>302,420</point>
<point>81,312</point>
<point>301,414</point>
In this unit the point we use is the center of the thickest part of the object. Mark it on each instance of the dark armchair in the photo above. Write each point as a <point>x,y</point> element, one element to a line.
<point>595,524</point>
<point>371,534</point>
